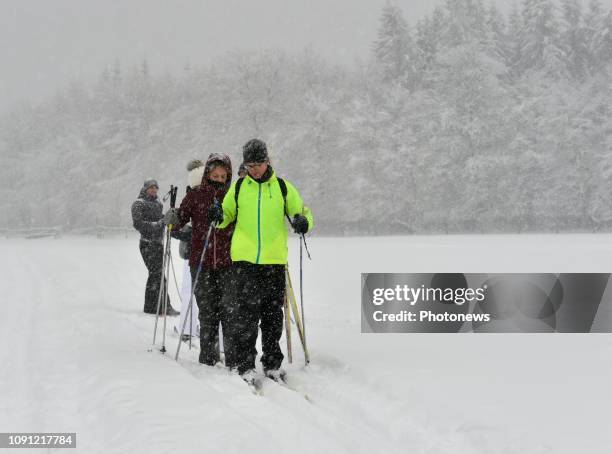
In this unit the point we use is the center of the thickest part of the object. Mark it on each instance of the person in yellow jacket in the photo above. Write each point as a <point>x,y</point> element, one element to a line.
<point>259,204</point>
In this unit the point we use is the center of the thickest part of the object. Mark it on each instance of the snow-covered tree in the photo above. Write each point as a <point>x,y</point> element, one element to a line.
<point>465,21</point>
<point>593,18</point>
<point>539,41</point>
<point>497,42</point>
<point>515,25</point>
<point>599,36</point>
<point>574,39</point>
<point>394,48</point>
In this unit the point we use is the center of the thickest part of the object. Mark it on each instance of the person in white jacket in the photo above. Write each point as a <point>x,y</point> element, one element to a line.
<point>195,169</point>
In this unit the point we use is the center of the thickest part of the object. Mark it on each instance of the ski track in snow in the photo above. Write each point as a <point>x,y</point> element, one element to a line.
<point>75,359</point>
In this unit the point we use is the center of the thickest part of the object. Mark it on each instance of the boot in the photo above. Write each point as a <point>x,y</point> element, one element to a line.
<point>278,375</point>
<point>171,312</point>
<point>204,358</point>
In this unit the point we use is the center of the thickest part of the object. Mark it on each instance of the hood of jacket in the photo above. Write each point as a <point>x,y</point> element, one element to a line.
<point>222,159</point>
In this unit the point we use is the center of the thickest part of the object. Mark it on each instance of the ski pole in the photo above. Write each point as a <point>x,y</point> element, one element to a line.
<point>193,286</point>
<point>163,289</point>
<point>296,316</point>
<point>173,191</point>
<point>302,294</point>
<point>165,277</point>
<point>287,324</point>
<point>190,326</point>
<point>306,246</point>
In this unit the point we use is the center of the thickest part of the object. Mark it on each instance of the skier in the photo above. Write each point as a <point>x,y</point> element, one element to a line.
<point>195,169</point>
<point>148,219</point>
<point>217,263</point>
<point>258,204</point>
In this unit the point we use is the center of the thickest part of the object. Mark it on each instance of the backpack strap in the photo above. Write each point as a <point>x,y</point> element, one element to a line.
<point>283,188</point>
<point>236,192</point>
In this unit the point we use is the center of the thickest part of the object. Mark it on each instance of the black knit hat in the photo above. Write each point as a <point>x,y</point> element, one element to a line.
<point>255,150</point>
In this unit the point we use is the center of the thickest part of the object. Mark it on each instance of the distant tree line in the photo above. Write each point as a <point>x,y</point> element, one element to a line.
<point>469,120</point>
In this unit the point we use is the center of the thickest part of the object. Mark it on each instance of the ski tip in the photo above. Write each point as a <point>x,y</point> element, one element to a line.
<point>254,383</point>
<point>256,387</point>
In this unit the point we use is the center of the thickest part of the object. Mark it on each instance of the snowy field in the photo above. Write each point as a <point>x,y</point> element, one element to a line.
<point>75,358</point>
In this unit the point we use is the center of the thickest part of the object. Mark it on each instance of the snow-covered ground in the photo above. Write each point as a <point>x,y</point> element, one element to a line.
<point>74,358</point>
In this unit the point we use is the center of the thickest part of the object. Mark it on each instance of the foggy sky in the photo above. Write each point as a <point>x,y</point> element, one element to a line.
<point>46,44</point>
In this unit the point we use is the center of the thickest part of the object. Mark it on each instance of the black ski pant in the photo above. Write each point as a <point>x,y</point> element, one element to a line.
<point>256,298</point>
<point>152,254</point>
<point>209,293</point>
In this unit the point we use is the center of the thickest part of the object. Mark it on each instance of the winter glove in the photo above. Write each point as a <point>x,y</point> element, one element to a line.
<point>183,235</point>
<point>300,224</point>
<point>171,217</point>
<point>215,213</point>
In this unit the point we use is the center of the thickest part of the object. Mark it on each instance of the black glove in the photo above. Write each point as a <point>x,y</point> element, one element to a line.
<point>183,235</point>
<point>215,213</point>
<point>300,224</point>
<point>171,217</point>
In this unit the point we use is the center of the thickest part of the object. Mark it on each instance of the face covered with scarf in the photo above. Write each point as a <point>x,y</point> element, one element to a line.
<point>218,170</point>
<point>217,177</point>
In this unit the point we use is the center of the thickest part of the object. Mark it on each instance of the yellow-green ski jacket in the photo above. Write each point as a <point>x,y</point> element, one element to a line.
<point>260,234</point>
